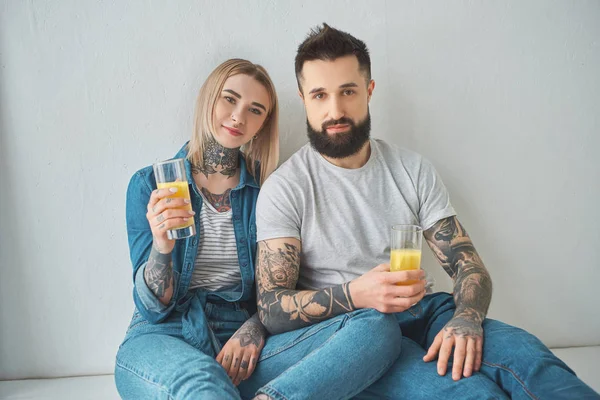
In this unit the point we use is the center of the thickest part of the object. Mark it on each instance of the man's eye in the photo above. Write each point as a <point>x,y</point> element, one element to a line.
<point>319,96</point>
<point>348,92</point>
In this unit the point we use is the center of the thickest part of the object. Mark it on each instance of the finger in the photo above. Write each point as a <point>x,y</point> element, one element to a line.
<point>478,353</point>
<point>251,365</point>
<point>434,348</point>
<point>445,352</point>
<point>460,351</point>
<point>169,203</point>
<point>226,362</point>
<point>407,290</point>
<point>243,371</point>
<point>400,304</point>
<point>382,268</point>
<point>170,214</point>
<point>219,357</point>
<point>158,195</point>
<point>235,366</point>
<point>470,358</point>
<point>402,276</point>
<point>170,224</point>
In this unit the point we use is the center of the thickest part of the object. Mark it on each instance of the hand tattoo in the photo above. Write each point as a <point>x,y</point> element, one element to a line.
<point>252,332</point>
<point>217,159</point>
<point>158,272</point>
<point>472,283</point>
<point>280,307</point>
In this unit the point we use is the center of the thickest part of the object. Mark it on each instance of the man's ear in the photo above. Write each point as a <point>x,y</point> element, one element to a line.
<point>370,88</point>
<point>300,94</point>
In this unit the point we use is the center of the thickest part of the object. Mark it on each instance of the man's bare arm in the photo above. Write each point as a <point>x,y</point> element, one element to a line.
<point>281,308</point>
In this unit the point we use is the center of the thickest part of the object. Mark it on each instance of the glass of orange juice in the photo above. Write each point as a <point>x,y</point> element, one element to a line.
<point>405,249</point>
<point>168,174</point>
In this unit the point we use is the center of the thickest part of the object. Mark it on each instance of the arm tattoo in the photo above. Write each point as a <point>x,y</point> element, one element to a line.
<point>217,159</point>
<point>252,332</point>
<point>158,272</point>
<point>280,307</point>
<point>454,250</point>
<point>220,202</point>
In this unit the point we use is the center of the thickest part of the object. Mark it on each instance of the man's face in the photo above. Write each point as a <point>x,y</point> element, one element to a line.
<point>336,97</point>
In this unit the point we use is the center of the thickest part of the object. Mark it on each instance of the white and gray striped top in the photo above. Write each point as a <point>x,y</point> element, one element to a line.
<point>217,266</point>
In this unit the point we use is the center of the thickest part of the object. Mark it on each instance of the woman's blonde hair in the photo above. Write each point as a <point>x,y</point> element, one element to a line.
<point>265,147</point>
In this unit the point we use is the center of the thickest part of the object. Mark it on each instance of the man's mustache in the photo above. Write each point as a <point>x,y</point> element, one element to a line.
<point>341,121</point>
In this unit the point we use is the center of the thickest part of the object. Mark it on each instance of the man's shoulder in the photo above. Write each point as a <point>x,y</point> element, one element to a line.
<point>297,166</point>
<point>393,154</point>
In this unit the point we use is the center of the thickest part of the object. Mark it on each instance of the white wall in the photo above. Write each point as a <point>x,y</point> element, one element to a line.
<point>503,97</point>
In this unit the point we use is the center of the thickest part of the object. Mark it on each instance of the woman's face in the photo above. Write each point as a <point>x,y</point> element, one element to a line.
<point>240,111</point>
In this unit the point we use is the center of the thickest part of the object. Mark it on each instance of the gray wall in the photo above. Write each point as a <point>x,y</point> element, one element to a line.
<point>503,97</point>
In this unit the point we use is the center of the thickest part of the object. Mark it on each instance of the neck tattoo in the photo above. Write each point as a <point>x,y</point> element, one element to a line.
<point>217,159</point>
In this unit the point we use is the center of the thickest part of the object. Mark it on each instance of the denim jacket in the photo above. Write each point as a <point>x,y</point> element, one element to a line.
<point>243,204</point>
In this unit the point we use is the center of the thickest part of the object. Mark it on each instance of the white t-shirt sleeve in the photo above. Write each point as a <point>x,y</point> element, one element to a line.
<point>277,211</point>
<point>434,200</point>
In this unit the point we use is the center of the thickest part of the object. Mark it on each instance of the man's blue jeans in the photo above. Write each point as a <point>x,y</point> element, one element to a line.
<point>515,363</point>
<point>335,359</point>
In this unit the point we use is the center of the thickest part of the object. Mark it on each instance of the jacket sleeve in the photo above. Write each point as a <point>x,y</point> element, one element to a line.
<point>139,236</point>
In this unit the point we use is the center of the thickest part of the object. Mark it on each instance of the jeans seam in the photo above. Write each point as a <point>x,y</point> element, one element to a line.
<point>147,380</point>
<point>293,343</point>
<point>492,365</point>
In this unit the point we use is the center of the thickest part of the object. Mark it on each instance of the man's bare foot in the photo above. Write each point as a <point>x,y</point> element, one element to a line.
<point>262,397</point>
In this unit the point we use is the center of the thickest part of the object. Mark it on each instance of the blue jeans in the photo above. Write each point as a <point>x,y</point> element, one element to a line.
<point>335,359</point>
<point>515,363</point>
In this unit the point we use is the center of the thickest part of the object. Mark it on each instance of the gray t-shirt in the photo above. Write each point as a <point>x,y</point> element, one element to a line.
<point>343,216</point>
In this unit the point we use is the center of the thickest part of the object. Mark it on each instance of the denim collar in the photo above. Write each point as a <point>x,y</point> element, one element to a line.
<point>245,177</point>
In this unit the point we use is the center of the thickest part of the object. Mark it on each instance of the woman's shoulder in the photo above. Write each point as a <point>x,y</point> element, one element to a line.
<point>142,180</point>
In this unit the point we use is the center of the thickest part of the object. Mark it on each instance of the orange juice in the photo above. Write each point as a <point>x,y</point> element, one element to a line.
<point>183,191</point>
<point>403,260</point>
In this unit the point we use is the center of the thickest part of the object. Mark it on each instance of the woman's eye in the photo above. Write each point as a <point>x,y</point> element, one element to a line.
<point>230,99</point>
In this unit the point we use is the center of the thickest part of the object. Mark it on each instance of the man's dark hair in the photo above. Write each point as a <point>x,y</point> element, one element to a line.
<point>328,44</point>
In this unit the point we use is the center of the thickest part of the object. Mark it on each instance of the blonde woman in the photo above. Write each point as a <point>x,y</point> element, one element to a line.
<point>195,332</point>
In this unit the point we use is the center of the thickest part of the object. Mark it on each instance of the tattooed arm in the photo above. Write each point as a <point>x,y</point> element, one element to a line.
<point>158,275</point>
<point>281,308</point>
<point>454,250</point>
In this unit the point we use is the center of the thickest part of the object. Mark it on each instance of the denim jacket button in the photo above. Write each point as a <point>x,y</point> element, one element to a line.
<point>244,264</point>
<point>242,240</point>
<point>193,241</point>
<point>236,217</point>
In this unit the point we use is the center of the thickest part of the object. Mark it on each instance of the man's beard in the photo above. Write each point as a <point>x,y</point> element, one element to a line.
<point>343,144</point>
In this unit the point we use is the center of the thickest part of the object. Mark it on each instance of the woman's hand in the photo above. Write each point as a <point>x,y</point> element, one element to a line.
<point>165,213</point>
<point>240,354</point>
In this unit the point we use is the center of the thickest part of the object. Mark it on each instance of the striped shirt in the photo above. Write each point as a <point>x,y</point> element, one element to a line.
<point>216,266</point>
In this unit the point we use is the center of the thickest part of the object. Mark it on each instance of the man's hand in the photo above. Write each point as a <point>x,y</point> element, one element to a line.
<point>241,352</point>
<point>377,289</point>
<point>465,335</point>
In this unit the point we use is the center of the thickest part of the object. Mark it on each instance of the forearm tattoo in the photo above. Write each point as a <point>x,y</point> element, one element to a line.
<point>217,159</point>
<point>252,332</point>
<point>280,307</point>
<point>472,283</point>
<point>158,272</point>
